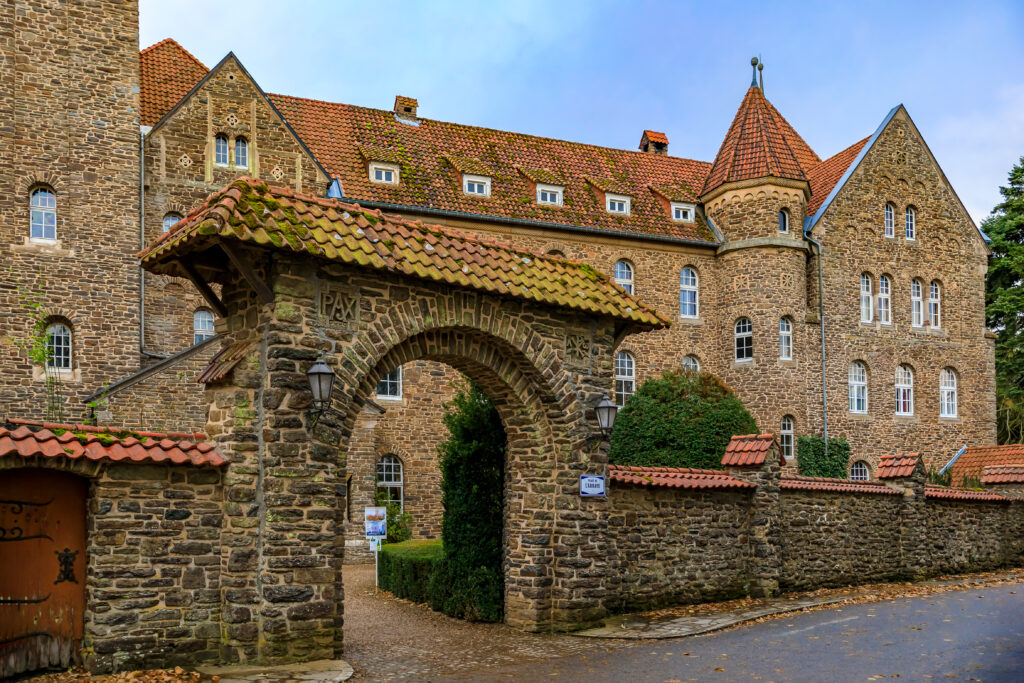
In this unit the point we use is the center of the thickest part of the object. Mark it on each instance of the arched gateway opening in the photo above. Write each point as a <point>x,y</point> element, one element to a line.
<point>303,278</point>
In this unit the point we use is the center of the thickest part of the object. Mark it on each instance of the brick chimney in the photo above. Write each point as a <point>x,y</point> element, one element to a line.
<point>654,142</point>
<point>405,107</point>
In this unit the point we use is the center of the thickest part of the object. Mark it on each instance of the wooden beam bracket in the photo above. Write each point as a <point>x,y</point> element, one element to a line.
<point>241,262</point>
<point>211,298</point>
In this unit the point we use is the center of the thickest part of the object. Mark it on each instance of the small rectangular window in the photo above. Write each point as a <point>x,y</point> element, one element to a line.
<point>386,174</point>
<point>617,203</point>
<point>390,386</point>
<point>682,213</point>
<point>549,194</point>
<point>478,185</point>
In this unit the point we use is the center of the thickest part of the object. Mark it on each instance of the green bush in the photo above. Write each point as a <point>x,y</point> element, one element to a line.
<point>469,582</point>
<point>399,523</point>
<point>945,479</point>
<point>405,568</point>
<point>812,461</point>
<point>681,419</point>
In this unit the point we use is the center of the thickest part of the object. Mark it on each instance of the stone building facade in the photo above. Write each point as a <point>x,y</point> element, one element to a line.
<point>766,235</point>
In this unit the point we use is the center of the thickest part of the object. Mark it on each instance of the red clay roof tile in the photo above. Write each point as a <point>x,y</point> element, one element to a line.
<point>655,136</point>
<point>796,483</point>
<point>944,493</point>
<point>824,176</point>
<point>224,360</point>
<point>676,477</point>
<point>972,462</point>
<point>30,439</point>
<point>1003,474</point>
<point>166,73</point>
<point>276,217</point>
<point>898,465</point>
<point>748,449</point>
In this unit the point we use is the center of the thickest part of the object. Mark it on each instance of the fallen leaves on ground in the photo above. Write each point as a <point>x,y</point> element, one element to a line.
<point>80,675</point>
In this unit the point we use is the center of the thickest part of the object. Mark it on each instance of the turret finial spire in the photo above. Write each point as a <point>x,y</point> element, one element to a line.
<point>753,69</point>
<point>760,72</point>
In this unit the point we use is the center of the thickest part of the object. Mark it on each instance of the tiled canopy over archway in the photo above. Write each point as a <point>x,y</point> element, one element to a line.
<point>302,276</point>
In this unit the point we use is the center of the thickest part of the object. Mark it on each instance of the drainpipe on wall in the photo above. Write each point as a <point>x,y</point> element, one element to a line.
<point>821,318</point>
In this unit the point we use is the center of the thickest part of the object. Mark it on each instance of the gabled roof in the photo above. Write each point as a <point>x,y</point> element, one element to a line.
<point>749,449</point>
<point>28,439</point>
<point>824,176</point>
<point>273,217</point>
<point>758,144</point>
<point>975,459</point>
<point>676,477</point>
<point>167,72</point>
<point>898,465</point>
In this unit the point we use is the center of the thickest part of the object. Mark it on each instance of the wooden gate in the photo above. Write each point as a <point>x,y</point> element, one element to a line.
<point>42,569</point>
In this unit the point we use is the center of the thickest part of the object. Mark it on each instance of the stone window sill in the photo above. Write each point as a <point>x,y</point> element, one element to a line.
<point>737,364</point>
<point>39,375</point>
<point>861,417</point>
<point>389,399</point>
<point>686,320</point>
<point>950,420</point>
<point>905,419</point>
<point>48,248</point>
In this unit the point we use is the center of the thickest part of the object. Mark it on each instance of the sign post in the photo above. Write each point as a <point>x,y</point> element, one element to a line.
<point>376,521</point>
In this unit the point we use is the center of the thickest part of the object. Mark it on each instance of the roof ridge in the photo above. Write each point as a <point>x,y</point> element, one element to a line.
<point>172,41</point>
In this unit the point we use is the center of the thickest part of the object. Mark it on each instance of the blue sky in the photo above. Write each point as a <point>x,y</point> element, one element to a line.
<point>600,72</point>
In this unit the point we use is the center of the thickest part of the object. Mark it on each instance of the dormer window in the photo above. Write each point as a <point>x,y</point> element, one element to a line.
<point>386,174</point>
<point>549,194</point>
<point>617,203</point>
<point>682,213</point>
<point>478,185</point>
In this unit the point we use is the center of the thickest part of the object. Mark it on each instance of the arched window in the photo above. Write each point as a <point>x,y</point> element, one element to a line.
<point>43,215</point>
<point>624,275</point>
<point>783,221</point>
<point>935,305</point>
<point>744,339</point>
<point>858,387</point>
<point>916,304</point>
<point>389,481</point>
<point>390,386</point>
<point>58,346</point>
<point>947,393</point>
<point>904,390</point>
<point>859,471</point>
<point>202,326</point>
<point>691,364</point>
<point>786,436</point>
<point>885,300</point>
<point>689,299</point>
<point>867,312</point>
<point>911,223</point>
<point>625,377</point>
<point>241,153</point>
<point>785,339</point>
<point>220,150</point>
<point>170,220</point>
<point>890,220</point>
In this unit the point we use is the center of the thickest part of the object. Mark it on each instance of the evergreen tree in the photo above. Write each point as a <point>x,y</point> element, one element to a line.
<point>1004,304</point>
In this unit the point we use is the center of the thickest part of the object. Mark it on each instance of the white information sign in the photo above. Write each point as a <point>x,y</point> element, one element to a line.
<point>592,485</point>
<point>376,520</point>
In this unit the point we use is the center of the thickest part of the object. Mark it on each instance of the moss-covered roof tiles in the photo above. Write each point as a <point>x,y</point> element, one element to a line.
<point>273,217</point>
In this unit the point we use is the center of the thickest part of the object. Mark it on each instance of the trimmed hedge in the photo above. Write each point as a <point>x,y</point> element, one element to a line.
<point>681,419</point>
<point>811,460</point>
<point>404,569</point>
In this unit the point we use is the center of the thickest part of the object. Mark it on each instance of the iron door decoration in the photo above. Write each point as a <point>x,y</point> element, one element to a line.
<point>42,569</point>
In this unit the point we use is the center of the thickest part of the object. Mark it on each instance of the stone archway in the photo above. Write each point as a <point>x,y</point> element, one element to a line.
<point>302,277</point>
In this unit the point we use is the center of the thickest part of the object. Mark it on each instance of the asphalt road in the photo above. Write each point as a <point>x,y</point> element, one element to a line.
<point>973,635</point>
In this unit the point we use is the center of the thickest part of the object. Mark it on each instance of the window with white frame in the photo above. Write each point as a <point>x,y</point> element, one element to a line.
<point>625,377</point>
<point>935,305</point>
<point>549,194</point>
<point>890,220</point>
<point>220,150</point>
<point>617,203</point>
<point>744,340</point>
<point>911,231</point>
<point>904,390</point>
<point>947,393</point>
<point>916,304</point>
<point>859,471</point>
<point>390,385</point>
<point>624,275</point>
<point>885,300</point>
<point>241,153</point>
<point>58,346</point>
<point>390,482</point>
<point>170,220</point>
<point>786,436</point>
<point>689,293</point>
<point>386,174</point>
<point>202,326</point>
<point>783,221</point>
<point>682,213</point>
<point>43,215</point>
<point>858,386</point>
<point>785,339</point>
<point>477,185</point>
<point>691,364</point>
<point>867,313</point>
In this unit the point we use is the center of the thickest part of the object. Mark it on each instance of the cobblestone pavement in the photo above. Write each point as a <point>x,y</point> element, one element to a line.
<point>388,639</point>
<point>323,671</point>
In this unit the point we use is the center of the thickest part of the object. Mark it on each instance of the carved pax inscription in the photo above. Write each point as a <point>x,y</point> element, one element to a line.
<point>339,306</point>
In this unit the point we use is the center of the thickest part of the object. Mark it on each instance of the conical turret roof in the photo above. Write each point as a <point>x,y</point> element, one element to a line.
<point>760,143</point>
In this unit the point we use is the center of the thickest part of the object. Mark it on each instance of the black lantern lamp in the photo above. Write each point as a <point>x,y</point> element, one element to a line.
<point>606,411</point>
<point>321,384</point>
